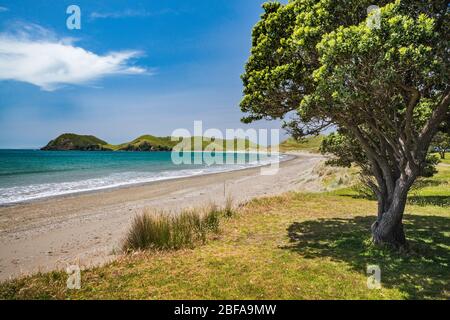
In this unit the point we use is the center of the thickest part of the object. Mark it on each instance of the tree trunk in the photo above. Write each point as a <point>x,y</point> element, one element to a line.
<point>391,233</point>
<point>388,229</point>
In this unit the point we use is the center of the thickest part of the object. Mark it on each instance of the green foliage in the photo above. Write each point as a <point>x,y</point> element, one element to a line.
<point>147,143</point>
<point>279,72</point>
<point>385,89</point>
<point>311,57</point>
<point>429,167</point>
<point>80,139</point>
<point>346,150</point>
<point>357,64</point>
<point>68,141</point>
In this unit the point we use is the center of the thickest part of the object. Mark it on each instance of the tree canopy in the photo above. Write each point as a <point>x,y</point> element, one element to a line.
<point>385,88</point>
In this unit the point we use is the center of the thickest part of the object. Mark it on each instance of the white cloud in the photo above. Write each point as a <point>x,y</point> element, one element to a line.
<point>121,14</point>
<point>129,13</point>
<point>49,62</point>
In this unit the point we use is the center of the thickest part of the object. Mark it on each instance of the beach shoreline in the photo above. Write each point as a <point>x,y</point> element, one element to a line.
<point>86,228</point>
<point>137,184</point>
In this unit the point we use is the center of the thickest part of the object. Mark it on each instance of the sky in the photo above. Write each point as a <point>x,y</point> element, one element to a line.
<point>134,67</point>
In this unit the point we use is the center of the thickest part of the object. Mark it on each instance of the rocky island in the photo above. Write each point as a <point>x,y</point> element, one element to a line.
<point>146,143</point>
<point>70,141</point>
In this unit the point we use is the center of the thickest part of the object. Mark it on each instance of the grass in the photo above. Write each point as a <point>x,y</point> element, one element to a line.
<point>163,230</point>
<point>332,178</point>
<point>434,191</point>
<point>294,246</point>
<point>308,144</point>
<point>168,231</point>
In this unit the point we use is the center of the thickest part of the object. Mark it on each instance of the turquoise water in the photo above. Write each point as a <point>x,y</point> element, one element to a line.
<point>33,174</point>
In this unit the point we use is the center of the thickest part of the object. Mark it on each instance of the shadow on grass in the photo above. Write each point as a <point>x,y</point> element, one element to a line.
<point>413,199</point>
<point>423,273</point>
<point>424,183</point>
<point>442,201</point>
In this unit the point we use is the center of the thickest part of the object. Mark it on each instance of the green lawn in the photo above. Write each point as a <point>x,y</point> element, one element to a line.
<point>295,246</point>
<point>446,160</point>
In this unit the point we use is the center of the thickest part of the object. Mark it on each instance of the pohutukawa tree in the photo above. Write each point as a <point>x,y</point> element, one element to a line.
<point>385,88</point>
<point>441,143</point>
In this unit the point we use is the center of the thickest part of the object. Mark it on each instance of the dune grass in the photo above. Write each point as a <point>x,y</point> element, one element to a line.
<point>171,231</point>
<point>163,230</point>
<point>294,246</point>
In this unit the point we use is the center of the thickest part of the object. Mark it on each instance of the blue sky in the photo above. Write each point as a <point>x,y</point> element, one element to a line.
<point>135,67</point>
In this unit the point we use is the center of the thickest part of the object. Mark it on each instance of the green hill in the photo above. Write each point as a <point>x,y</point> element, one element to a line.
<point>71,141</point>
<point>220,144</point>
<point>308,144</point>
<point>145,143</point>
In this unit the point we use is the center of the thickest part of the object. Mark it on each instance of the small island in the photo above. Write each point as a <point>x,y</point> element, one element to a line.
<point>145,143</point>
<point>70,141</point>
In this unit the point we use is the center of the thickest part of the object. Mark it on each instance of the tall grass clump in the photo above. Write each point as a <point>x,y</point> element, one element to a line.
<point>228,210</point>
<point>165,231</point>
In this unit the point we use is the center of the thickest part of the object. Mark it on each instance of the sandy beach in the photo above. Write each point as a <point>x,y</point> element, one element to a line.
<point>87,229</point>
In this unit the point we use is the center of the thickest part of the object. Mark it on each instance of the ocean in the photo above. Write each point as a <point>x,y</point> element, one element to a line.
<point>32,174</point>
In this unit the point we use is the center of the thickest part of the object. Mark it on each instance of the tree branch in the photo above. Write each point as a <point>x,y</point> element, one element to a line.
<point>432,125</point>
